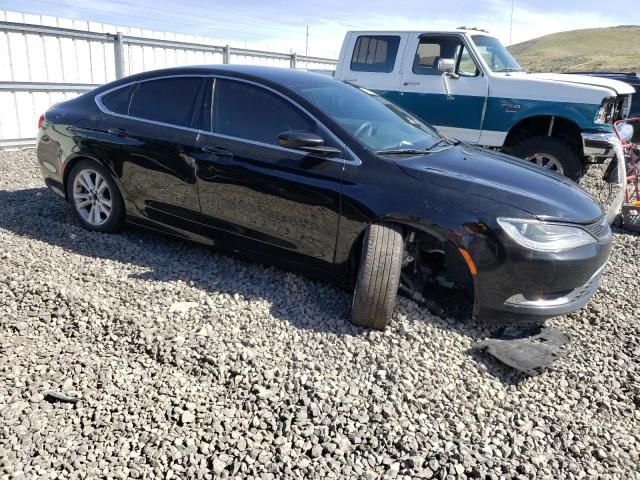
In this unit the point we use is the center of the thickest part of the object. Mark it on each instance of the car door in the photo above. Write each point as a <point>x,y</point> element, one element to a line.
<point>149,139</point>
<point>453,103</point>
<point>254,188</point>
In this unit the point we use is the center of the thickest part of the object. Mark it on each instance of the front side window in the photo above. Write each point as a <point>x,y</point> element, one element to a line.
<point>432,49</point>
<point>377,123</point>
<point>466,66</point>
<point>375,53</point>
<point>249,112</point>
<point>495,55</point>
<point>166,100</point>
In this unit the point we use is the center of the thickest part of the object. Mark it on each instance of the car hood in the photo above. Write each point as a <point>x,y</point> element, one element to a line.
<point>617,87</point>
<point>505,179</point>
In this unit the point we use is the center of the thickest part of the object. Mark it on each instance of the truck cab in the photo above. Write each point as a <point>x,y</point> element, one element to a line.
<point>465,83</point>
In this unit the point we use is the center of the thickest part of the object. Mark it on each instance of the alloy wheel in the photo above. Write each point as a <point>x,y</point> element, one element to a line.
<point>92,197</point>
<point>546,161</point>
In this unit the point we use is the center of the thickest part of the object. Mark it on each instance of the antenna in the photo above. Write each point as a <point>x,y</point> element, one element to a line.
<point>511,26</point>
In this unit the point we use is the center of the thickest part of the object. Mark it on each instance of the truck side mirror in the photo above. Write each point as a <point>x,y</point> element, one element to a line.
<point>447,65</point>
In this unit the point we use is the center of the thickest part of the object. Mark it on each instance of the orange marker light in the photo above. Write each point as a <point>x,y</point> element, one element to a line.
<point>470,264</point>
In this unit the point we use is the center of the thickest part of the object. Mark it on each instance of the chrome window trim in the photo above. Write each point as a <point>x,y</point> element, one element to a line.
<point>353,160</point>
<point>104,109</point>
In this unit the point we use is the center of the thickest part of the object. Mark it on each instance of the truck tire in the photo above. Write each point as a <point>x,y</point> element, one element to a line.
<point>552,153</point>
<point>374,296</point>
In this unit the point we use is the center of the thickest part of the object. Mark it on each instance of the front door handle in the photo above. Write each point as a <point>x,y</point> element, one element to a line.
<point>411,83</point>
<point>219,151</point>
<point>118,132</point>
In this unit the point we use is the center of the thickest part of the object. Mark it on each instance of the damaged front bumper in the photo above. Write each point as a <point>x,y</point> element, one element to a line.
<point>559,304</point>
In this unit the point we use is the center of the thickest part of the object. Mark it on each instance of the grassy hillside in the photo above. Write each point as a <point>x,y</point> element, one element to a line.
<point>613,49</point>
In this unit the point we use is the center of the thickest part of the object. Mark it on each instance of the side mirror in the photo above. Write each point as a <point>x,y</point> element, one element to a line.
<point>307,141</point>
<point>447,65</point>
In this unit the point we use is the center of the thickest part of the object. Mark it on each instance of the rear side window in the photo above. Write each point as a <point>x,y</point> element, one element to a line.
<point>245,111</point>
<point>118,100</point>
<point>167,100</point>
<point>375,53</point>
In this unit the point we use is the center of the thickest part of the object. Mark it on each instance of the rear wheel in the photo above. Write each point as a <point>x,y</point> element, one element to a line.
<point>551,153</point>
<point>374,297</point>
<point>95,198</point>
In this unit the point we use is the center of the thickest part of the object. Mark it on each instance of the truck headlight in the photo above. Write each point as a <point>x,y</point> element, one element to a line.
<point>606,111</point>
<point>545,237</point>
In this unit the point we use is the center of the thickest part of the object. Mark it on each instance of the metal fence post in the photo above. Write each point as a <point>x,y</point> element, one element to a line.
<point>226,55</point>
<point>293,60</point>
<point>118,50</point>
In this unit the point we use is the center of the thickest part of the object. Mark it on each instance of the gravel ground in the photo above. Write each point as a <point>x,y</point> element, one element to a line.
<point>192,364</point>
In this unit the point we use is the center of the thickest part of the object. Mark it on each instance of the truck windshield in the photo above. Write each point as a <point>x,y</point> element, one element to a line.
<point>374,121</point>
<point>495,55</point>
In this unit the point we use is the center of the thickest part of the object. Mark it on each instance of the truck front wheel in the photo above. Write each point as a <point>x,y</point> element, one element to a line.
<point>552,153</point>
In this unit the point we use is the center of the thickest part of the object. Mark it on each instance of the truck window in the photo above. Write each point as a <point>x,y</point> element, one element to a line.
<point>431,49</point>
<point>466,66</point>
<point>375,53</point>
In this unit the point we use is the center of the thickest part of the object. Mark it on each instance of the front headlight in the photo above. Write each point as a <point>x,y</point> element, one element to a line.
<point>545,237</point>
<point>605,113</point>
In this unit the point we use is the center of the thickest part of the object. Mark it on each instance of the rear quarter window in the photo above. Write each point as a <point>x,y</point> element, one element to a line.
<point>166,100</point>
<point>375,53</point>
<point>118,100</point>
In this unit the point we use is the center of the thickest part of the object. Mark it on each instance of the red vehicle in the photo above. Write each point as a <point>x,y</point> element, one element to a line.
<point>628,132</point>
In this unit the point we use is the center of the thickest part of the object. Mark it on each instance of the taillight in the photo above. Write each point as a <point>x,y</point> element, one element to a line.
<point>41,121</point>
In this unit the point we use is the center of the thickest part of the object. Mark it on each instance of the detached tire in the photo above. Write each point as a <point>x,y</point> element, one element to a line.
<point>552,153</point>
<point>95,198</point>
<point>374,297</point>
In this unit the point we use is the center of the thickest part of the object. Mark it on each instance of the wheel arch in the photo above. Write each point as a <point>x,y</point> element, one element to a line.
<point>456,255</point>
<point>557,126</point>
<point>74,159</point>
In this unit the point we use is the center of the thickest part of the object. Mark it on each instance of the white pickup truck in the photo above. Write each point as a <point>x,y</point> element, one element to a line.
<point>467,85</point>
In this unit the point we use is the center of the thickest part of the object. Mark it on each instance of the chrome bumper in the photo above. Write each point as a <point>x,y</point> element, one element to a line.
<point>599,145</point>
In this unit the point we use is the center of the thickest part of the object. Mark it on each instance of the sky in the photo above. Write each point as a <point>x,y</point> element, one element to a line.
<point>281,24</point>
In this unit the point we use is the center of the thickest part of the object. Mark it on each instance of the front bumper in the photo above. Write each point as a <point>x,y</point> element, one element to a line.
<point>559,304</point>
<point>598,146</point>
<point>524,285</point>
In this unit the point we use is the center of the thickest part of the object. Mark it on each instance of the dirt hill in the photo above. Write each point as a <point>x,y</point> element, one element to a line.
<point>612,49</point>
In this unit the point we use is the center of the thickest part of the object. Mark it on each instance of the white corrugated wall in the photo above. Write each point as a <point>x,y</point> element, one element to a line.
<point>31,57</point>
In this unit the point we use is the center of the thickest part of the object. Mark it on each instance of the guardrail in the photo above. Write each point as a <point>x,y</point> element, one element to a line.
<point>22,99</point>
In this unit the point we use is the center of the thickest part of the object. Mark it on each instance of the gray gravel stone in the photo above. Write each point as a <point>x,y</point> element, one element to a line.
<point>153,333</point>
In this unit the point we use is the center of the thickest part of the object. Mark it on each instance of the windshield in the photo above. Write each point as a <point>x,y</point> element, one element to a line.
<point>495,55</point>
<point>374,121</point>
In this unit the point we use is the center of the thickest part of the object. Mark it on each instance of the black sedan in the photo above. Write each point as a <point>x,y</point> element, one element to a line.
<point>299,170</point>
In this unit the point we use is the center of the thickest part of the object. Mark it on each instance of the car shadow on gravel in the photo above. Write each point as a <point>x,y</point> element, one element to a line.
<point>39,214</point>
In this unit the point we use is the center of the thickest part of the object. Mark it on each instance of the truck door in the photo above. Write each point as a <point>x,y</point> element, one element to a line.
<point>452,102</point>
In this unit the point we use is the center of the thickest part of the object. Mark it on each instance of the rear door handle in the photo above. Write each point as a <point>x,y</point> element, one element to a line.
<point>118,132</point>
<point>219,151</point>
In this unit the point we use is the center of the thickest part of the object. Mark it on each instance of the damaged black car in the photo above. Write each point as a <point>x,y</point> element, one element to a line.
<point>302,171</point>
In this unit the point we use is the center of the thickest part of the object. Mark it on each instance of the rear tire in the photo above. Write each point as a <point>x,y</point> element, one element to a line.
<point>376,289</point>
<point>95,198</point>
<point>552,153</point>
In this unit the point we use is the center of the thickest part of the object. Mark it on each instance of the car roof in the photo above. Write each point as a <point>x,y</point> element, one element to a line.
<point>285,77</point>
<point>457,31</point>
